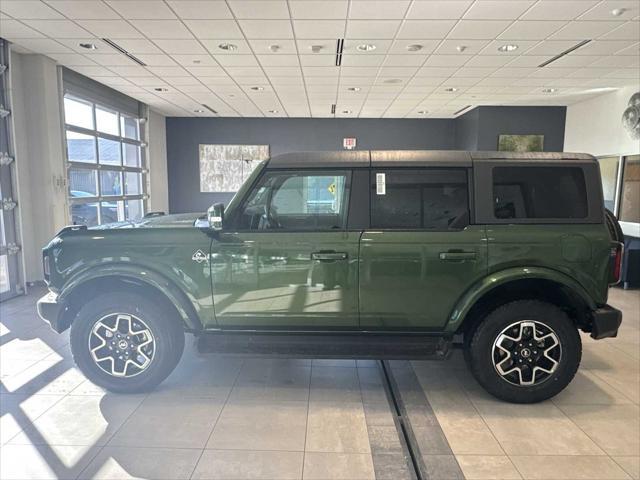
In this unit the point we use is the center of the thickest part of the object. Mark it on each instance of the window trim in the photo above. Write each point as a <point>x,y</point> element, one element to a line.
<point>233,222</point>
<point>470,199</point>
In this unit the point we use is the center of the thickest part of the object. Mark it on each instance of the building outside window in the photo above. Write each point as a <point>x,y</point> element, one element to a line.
<point>105,159</point>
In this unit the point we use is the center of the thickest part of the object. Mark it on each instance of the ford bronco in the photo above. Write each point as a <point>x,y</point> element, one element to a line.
<point>361,254</point>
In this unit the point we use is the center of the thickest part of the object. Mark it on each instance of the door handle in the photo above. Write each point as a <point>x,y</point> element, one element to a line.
<point>329,256</point>
<point>457,256</point>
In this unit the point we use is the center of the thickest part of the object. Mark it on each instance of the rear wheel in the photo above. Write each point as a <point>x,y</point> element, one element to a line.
<point>525,351</point>
<point>125,342</point>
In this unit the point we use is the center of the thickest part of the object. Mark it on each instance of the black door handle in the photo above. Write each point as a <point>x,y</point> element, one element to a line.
<point>329,256</point>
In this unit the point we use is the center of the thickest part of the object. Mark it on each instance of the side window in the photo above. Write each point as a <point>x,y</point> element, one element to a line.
<point>428,198</point>
<point>539,192</point>
<point>297,200</point>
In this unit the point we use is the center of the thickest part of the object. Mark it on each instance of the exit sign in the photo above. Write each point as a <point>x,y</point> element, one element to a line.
<point>349,143</point>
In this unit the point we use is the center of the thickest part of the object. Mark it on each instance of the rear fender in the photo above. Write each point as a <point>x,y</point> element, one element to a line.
<point>502,277</point>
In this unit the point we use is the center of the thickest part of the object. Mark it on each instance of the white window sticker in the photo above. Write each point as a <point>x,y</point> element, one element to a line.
<point>381,188</point>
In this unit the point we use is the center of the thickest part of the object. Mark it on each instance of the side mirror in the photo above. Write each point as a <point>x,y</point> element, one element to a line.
<point>215,215</point>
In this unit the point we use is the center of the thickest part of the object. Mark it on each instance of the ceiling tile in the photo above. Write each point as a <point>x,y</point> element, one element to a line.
<point>178,46</point>
<point>475,72</point>
<point>608,47</point>
<point>497,9</point>
<point>447,60</point>
<point>261,29</point>
<point>350,60</point>
<point>478,29</point>
<point>437,29</point>
<point>319,28</point>
<point>260,9</point>
<point>558,9</point>
<point>111,59</point>
<point>163,72</point>
<point>28,9</point>
<point>316,60</point>
<point>44,45</point>
<point>378,9</point>
<point>528,61</point>
<point>283,71</point>
<point>450,47</point>
<point>573,61</point>
<point>131,71</point>
<point>372,28</point>
<point>400,46</point>
<point>14,29</point>
<point>488,61</point>
<point>137,45</point>
<point>618,61</point>
<point>237,60</point>
<point>94,71</point>
<point>630,50</point>
<point>195,60</point>
<point>154,60</point>
<point>210,71</point>
<point>149,9</point>
<point>358,71</point>
<point>437,71</point>
<point>602,11</point>
<point>218,29</point>
<point>113,29</point>
<point>201,9</point>
<point>401,72</point>
<point>538,30</point>
<point>56,28</point>
<point>318,10</point>
<point>71,59</point>
<point>173,29</point>
<point>628,31</point>
<point>584,30</point>
<point>404,60</point>
<point>550,47</point>
<point>84,9</point>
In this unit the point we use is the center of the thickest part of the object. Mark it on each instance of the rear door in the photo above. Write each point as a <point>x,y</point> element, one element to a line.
<point>421,252</point>
<point>288,260</point>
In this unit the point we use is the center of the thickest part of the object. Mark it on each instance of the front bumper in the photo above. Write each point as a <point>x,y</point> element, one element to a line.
<point>606,321</point>
<point>50,311</point>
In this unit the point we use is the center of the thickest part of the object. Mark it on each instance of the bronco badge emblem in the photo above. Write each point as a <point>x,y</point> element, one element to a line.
<point>199,256</point>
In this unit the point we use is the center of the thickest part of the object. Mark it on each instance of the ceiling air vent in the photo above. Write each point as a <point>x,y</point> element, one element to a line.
<point>566,52</point>
<point>124,52</point>
<point>339,49</point>
<point>209,108</point>
<point>333,109</point>
<point>462,110</point>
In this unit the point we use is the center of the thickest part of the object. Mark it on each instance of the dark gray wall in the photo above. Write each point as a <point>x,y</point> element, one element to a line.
<point>184,135</point>
<point>476,130</point>
<point>547,121</point>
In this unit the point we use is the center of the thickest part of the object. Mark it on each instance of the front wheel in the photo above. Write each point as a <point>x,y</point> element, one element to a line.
<point>125,342</point>
<point>525,351</point>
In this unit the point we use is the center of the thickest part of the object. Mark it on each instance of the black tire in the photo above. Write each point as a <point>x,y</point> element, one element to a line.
<point>167,331</point>
<point>480,351</point>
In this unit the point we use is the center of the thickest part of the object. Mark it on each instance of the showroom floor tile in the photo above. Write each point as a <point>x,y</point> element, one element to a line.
<point>220,417</point>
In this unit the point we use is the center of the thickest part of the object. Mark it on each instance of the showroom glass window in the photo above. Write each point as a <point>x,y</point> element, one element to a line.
<point>105,163</point>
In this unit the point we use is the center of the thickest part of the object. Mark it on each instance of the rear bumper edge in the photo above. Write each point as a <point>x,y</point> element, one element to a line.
<point>606,321</point>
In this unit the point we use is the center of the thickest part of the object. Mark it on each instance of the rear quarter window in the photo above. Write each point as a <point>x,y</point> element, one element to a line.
<point>521,192</point>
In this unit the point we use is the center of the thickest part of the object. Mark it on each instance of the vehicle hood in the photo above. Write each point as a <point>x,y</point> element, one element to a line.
<point>178,220</point>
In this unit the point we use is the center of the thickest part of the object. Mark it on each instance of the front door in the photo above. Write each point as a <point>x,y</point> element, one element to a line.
<point>286,260</point>
<point>420,254</point>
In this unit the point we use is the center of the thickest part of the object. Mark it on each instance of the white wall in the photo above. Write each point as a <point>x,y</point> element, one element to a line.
<point>158,182</point>
<point>595,126</point>
<point>40,171</point>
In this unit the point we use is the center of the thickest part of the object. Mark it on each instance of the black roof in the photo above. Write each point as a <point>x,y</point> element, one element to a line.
<point>388,158</point>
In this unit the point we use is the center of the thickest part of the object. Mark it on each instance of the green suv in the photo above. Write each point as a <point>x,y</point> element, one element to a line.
<point>365,254</point>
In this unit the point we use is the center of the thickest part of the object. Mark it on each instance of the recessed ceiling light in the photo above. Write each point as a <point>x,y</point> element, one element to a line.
<point>198,111</point>
<point>88,46</point>
<point>347,112</point>
<point>416,47</point>
<point>616,12</point>
<point>257,89</point>
<point>461,48</point>
<point>316,48</point>
<point>273,111</point>
<point>161,89</point>
<point>366,47</point>
<point>197,62</point>
<point>353,89</point>
<point>510,47</point>
<point>274,48</point>
<point>422,112</point>
<point>393,80</point>
<point>229,47</point>
<point>451,89</point>
<point>549,90</point>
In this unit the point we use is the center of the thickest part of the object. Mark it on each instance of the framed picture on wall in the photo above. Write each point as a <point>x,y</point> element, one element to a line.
<point>223,168</point>
<point>520,143</point>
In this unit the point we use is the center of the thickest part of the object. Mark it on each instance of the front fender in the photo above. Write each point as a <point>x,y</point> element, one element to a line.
<point>495,279</point>
<point>140,275</point>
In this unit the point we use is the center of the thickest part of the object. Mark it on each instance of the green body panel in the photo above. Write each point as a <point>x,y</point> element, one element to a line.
<point>413,279</point>
<point>575,256</point>
<point>270,279</point>
<point>161,257</point>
